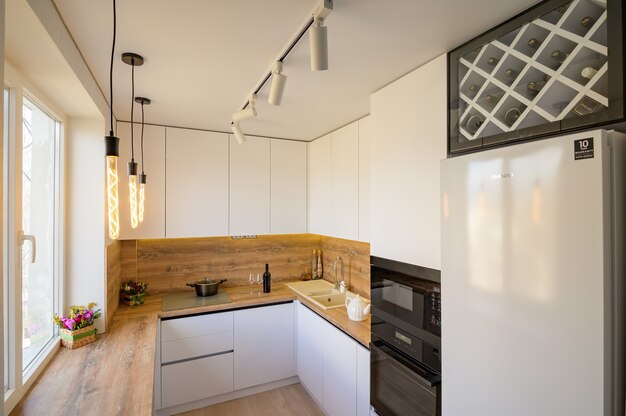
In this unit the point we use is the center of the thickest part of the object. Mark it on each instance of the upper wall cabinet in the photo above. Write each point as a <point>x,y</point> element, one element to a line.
<point>197,183</point>
<point>320,165</point>
<point>288,190</point>
<point>408,140</point>
<point>249,186</point>
<point>153,225</point>
<point>557,67</point>
<point>345,182</point>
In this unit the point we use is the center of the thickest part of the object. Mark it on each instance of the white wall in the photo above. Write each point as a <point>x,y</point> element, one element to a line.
<point>85,214</point>
<point>408,139</point>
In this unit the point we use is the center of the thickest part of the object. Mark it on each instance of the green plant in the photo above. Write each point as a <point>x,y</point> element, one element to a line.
<point>134,292</point>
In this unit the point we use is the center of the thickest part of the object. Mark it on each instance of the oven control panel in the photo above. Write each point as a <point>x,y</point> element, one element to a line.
<point>434,310</point>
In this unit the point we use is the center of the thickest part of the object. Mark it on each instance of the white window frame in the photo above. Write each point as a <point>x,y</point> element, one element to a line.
<point>21,381</point>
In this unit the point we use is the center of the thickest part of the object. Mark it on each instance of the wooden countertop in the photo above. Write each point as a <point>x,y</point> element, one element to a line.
<point>115,375</point>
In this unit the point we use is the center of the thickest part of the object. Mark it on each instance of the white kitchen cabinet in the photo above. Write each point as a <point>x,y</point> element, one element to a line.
<point>288,198</point>
<point>345,182</point>
<point>153,225</point>
<point>364,178</point>
<point>320,166</point>
<point>340,373</point>
<point>188,381</point>
<point>362,381</point>
<point>249,186</point>
<point>265,347</point>
<point>408,139</point>
<point>197,183</point>
<point>311,329</point>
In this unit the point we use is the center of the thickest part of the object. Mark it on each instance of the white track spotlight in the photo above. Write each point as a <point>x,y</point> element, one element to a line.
<point>246,113</point>
<point>241,138</point>
<point>318,37</point>
<point>278,84</point>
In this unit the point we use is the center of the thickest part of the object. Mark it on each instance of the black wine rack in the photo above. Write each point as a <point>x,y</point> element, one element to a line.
<point>556,67</point>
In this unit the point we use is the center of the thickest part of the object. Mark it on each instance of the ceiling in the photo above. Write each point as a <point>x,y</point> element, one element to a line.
<point>204,58</point>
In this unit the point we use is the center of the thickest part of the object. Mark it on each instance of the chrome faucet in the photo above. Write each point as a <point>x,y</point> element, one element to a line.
<point>339,284</point>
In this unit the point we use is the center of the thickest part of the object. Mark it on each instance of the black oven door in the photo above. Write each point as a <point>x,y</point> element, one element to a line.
<point>400,386</point>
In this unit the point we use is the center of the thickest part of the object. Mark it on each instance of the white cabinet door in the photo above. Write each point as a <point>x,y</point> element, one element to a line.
<point>362,381</point>
<point>320,166</point>
<point>153,225</point>
<point>311,330</point>
<point>339,373</point>
<point>345,182</point>
<point>196,379</point>
<point>364,179</point>
<point>197,183</point>
<point>249,186</point>
<point>408,140</point>
<point>288,187</point>
<point>265,348</point>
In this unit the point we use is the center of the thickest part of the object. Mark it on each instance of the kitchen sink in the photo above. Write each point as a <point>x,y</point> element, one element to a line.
<point>334,300</point>
<point>321,292</point>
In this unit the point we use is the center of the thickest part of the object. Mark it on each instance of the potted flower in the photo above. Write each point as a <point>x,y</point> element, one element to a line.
<point>78,328</point>
<point>133,293</point>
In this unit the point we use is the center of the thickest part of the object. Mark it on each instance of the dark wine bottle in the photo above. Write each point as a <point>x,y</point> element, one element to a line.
<point>510,72</point>
<point>559,56</point>
<point>587,22</point>
<point>563,8</point>
<point>473,123</point>
<point>588,72</point>
<point>511,116</point>
<point>492,61</point>
<point>493,98</point>
<point>534,43</point>
<point>474,88</point>
<point>267,279</point>
<point>536,86</point>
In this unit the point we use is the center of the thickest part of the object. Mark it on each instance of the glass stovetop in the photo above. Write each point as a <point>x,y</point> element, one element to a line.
<point>184,300</point>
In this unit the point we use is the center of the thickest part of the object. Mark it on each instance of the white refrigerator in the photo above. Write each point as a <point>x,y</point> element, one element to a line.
<point>532,282</point>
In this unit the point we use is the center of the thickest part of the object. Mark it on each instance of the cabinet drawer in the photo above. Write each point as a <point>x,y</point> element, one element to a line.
<point>196,379</point>
<point>196,326</point>
<point>181,349</point>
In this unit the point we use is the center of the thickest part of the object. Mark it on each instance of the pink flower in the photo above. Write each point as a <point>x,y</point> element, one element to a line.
<point>69,323</point>
<point>87,316</point>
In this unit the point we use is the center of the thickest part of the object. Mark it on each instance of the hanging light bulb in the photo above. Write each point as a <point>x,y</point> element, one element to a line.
<point>133,60</point>
<point>112,152</point>
<point>142,176</point>
<point>318,36</point>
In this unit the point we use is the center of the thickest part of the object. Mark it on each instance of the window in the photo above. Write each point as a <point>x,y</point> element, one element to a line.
<point>32,249</point>
<point>40,133</point>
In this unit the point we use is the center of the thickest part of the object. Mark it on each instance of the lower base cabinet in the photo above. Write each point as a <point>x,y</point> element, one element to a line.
<point>196,379</point>
<point>333,367</point>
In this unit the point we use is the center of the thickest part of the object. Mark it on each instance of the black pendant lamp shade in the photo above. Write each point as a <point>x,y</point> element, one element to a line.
<point>143,101</point>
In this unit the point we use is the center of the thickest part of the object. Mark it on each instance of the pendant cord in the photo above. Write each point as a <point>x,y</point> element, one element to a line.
<point>111,70</point>
<point>132,108</point>
<point>142,124</point>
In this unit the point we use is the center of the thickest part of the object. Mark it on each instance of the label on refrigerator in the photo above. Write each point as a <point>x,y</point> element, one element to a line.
<point>583,148</point>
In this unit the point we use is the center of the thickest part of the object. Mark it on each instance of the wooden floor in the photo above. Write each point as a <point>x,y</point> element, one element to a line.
<point>292,400</point>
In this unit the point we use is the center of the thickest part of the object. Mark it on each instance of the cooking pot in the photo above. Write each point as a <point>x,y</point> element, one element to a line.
<point>206,287</point>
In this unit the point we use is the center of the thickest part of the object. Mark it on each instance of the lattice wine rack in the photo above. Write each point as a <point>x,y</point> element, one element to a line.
<point>551,69</point>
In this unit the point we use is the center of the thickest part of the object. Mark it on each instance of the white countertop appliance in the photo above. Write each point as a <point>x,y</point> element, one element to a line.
<point>533,279</point>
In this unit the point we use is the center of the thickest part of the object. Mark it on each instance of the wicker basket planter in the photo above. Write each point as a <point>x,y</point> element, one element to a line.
<point>79,337</point>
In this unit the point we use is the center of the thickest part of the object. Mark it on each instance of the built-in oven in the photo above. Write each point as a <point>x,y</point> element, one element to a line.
<point>406,339</point>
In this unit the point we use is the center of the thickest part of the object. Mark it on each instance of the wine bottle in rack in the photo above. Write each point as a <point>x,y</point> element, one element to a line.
<point>588,72</point>
<point>587,22</point>
<point>511,73</point>
<point>534,43</point>
<point>511,116</point>
<point>493,98</point>
<point>474,88</point>
<point>536,86</point>
<point>492,61</point>
<point>558,55</point>
<point>473,123</point>
<point>563,8</point>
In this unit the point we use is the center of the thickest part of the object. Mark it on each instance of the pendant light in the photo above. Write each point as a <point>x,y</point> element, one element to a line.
<point>112,152</point>
<point>133,60</point>
<point>142,176</point>
<point>318,37</point>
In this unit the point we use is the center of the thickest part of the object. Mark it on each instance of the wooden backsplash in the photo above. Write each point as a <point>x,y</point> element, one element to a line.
<point>114,270</point>
<point>168,264</point>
